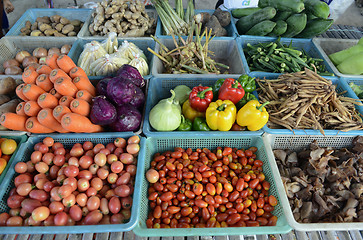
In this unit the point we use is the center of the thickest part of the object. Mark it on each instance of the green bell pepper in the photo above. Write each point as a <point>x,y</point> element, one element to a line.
<point>217,85</point>
<point>247,82</point>
<point>200,124</point>
<point>185,125</point>
<point>246,98</point>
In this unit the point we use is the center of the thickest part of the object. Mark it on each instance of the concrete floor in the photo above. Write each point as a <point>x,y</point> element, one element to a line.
<point>351,16</point>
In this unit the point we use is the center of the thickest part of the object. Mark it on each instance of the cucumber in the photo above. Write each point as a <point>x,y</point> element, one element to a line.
<point>284,5</point>
<point>241,12</point>
<point>262,28</point>
<point>317,8</point>
<point>315,27</point>
<point>247,22</point>
<point>310,16</point>
<point>279,29</point>
<point>295,25</point>
<point>282,15</point>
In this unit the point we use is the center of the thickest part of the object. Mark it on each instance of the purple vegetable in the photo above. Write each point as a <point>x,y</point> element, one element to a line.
<point>120,91</point>
<point>102,86</point>
<point>128,119</point>
<point>131,73</point>
<point>102,111</point>
<point>139,98</point>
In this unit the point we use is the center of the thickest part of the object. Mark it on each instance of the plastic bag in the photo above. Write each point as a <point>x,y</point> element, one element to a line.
<point>229,4</point>
<point>337,7</point>
<point>110,44</point>
<point>129,50</point>
<point>91,52</point>
<point>107,65</point>
<point>141,65</point>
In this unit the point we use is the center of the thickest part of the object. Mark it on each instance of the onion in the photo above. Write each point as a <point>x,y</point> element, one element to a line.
<point>21,55</point>
<point>10,62</point>
<point>28,60</point>
<point>13,70</point>
<point>65,49</point>
<point>40,52</point>
<point>54,50</point>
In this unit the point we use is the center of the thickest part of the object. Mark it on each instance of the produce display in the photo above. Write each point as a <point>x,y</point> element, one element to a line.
<point>305,100</point>
<point>104,59</point>
<point>228,105</point>
<point>8,99</point>
<point>125,18</point>
<point>287,18</point>
<point>357,90</point>
<point>350,60</point>
<point>55,25</point>
<point>281,58</point>
<point>90,183</point>
<point>222,187</point>
<point>7,148</point>
<point>323,184</point>
<point>24,59</point>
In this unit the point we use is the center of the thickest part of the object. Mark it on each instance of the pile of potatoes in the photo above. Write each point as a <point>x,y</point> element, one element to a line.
<point>24,59</point>
<point>52,26</point>
<point>8,99</point>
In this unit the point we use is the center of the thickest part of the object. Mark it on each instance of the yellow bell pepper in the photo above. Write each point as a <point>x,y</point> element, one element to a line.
<point>253,115</point>
<point>189,112</point>
<point>221,115</point>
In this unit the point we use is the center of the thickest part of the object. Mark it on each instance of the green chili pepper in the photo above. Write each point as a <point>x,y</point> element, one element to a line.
<point>200,124</point>
<point>185,125</point>
<point>246,98</point>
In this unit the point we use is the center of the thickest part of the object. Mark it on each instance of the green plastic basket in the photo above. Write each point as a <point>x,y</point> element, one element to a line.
<point>19,140</point>
<point>154,145</point>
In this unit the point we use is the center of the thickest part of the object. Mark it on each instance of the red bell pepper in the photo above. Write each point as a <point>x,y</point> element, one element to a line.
<point>231,90</point>
<point>200,97</point>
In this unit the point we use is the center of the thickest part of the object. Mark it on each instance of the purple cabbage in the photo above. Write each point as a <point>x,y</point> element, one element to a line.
<point>139,98</point>
<point>102,86</point>
<point>102,111</point>
<point>128,119</point>
<point>131,73</point>
<point>120,91</point>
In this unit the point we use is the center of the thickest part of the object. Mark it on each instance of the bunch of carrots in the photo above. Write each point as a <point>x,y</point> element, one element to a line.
<point>56,98</point>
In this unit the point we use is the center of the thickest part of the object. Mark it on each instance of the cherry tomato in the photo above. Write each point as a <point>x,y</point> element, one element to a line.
<point>21,167</point>
<point>60,219</point>
<point>71,171</point>
<point>93,203</point>
<point>56,207</point>
<point>120,142</point>
<point>40,213</point>
<point>48,141</point>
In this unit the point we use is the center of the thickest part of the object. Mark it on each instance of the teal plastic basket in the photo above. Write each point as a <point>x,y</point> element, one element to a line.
<point>19,140</point>
<point>69,140</point>
<point>155,144</point>
<point>356,81</point>
<point>159,88</point>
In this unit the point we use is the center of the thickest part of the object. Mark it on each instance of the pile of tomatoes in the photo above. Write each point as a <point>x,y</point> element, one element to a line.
<point>87,184</point>
<point>225,187</point>
<point>7,148</point>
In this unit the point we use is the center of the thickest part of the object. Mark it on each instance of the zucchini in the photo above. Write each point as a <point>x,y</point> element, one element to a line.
<point>282,15</point>
<point>284,5</point>
<point>241,12</point>
<point>262,28</point>
<point>279,29</point>
<point>295,25</point>
<point>317,8</point>
<point>247,22</point>
<point>315,27</point>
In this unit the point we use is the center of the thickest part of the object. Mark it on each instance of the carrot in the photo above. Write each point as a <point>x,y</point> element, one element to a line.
<point>45,117</point>
<point>81,107</point>
<point>55,93</point>
<point>77,72</point>
<point>47,100</point>
<point>65,87</point>
<point>59,111</point>
<point>57,73</point>
<point>13,121</point>
<point>19,92</point>
<point>65,101</point>
<point>77,123</point>
<point>51,60</point>
<point>83,83</point>
<point>32,91</point>
<point>65,63</point>
<point>29,76</point>
<point>20,109</point>
<point>44,82</point>
<point>31,108</point>
<point>85,95</point>
<point>30,67</point>
<point>44,69</point>
<point>34,126</point>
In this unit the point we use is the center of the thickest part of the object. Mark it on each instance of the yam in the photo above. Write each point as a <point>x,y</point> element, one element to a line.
<point>7,85</point>
<point>9,106</point>
<point>224,17</point>
<point>55,18</point>
<point>4,99</point>
<point>67,28</point>
<point>216,27</point>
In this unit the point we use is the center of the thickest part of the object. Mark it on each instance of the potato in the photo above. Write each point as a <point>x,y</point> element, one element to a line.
<point>57,34</point>
<point>34,26</point>
<point>67,28</point>
<point>7,85</point>
<point>21,55</point>
<point>54,50</point>
<point>50,32</point>
<point>59,27</point>
<point>72,34</point>
<point>40,52</point>
<point>64,21</point>
<point>4,99</point>
<point>13,70</point>
<point>28,24</point>
<point>24,29</point>
<point>65,49</point>
<point>35,33</point>
<point>29,60</point>
<point>42,27</point>
<point>55,18</point>
<point>44,19</point>
<point>76,22</point>
<point>9,106</point>
<point>11,62</point>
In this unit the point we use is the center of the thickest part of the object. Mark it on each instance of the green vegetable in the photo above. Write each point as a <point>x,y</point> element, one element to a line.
<point>295,25</point>
<point>279,29</point>
<point>317,8</point>
<point>340,56</point>
<point>248,83</point>
<point>356,89</point>
<point>216,87</point>
<point>352,65</point>
<point>246,23</point>
<point>200,124</point>
<point>185,125</point>
<point>284,5</point>
<point>241,12</point>
<point>166,115</point>
<point>315,27</point>
<point>181,93</point>
<point>262,28</point>
<point>282,15</point>
<point>246,98</point>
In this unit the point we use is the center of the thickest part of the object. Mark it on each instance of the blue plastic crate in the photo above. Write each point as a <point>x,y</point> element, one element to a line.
<point>341,86</point>
<point>231,28</point>
<point>299,43</point>
<point>31,15</point>
<point>69,140</point>
<point>156,144</point>
<point>159,88</point>
<point>356,81</point>
<point>143,44</point>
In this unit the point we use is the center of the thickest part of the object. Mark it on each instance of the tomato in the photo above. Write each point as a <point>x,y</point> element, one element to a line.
<point>87,145</point>
<point>69,201</point>
<point>133,139</point>
<point>123,190</point>
<point>48,186</point>
<point>73,161</point>
<point>36,156</point>
<point>76,151</point>
<point>126,158</point>
<point>97,148</point>
<point>117,219</point>
<point>71,171</point>
<point>75,212</point>
<point>8,146</point>
<point>91,191</point>
<point>59,160</point>
<point>60,219</point>
<point>133,148</point>
<point>126,202</point>
<point>71,181</point>
<point>112,178</point>
<point>41,167</point>
<point>117,166</point>
<point>120,142</point>
<point>83,184</point>
<point>20,167</point>
<point>81,199</point>
<point>114,205</point>
<point>60,151</point>
<point>93,203</point>
<point>4,218</point>
<point>85,161</point>
<point>40,213</point>
<point>54,194</point>
<point>152,175</point>
<point>272,200</point>
<point>48,141</point>
<point>85,174</point>
<point>43,148</point>
<point>14,221</point>
<point>24,189</point>
<point>30,166</point>
<point>104,206</point>
<point>56,207</point>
